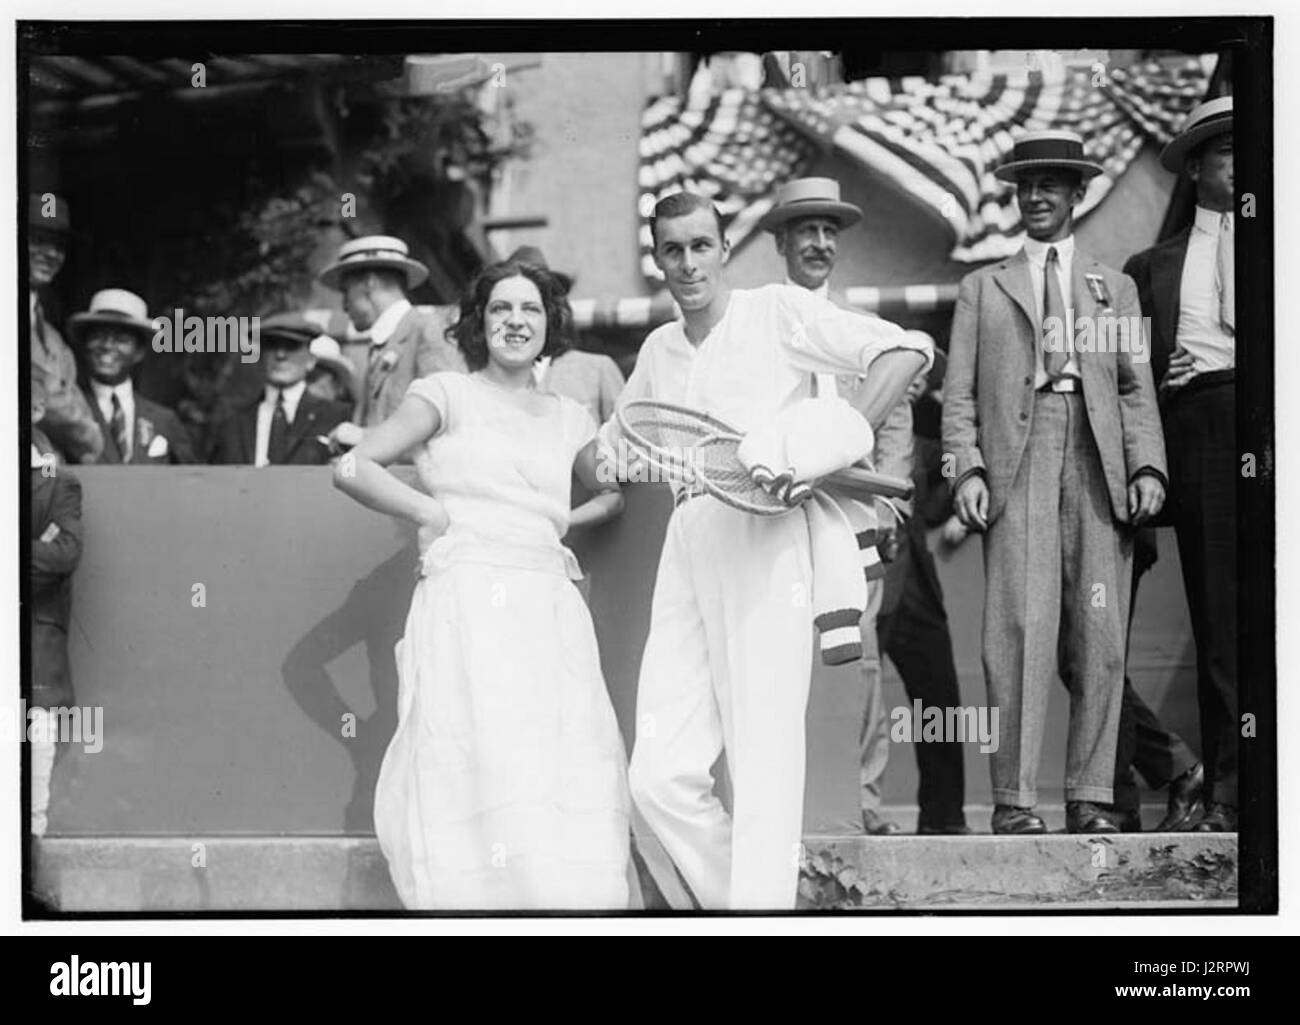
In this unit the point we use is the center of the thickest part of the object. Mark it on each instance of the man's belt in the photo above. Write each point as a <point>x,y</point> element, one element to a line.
<point>1209,379</point>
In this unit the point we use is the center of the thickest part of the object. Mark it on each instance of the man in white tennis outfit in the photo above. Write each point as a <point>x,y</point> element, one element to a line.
<point>728,660</point>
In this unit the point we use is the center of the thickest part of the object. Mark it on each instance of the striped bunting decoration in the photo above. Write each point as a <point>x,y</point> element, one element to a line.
<point>937,140</point>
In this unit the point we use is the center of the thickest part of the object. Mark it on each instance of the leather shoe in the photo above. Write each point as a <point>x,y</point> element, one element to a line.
<point>1221,818</point>
<point>874,825</point>
<point>1012,819</point>
<point>1127,820</point>
<point>1086,817</point>
<point>1186,801</point>
<point>946,829</point>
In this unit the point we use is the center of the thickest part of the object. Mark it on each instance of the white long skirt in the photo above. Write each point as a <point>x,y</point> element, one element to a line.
<point>504,786</point>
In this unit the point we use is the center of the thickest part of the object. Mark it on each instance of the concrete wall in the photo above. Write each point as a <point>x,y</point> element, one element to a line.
<point>228,719</point>
<point>585,109</point>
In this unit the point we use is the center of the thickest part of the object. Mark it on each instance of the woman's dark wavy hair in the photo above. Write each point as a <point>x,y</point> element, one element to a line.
<point>468,333</point>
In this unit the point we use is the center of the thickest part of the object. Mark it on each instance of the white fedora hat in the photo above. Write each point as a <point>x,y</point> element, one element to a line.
<point>1209,119</point>
<point>374,252</point>
<point>810,197</point>
<point>115,306</point>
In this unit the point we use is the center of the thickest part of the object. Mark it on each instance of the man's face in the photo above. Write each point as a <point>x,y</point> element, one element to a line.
<point>359,301</point>
<point>691,254</point>
<point>809,245</point>
<point>1211,169</point>
<point>1047,200</point>
<point>112,353</point>
<point>45,253</point>
<point>287,362</point>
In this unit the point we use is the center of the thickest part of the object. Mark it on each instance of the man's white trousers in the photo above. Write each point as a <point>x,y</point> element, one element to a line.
<point>727,667</point>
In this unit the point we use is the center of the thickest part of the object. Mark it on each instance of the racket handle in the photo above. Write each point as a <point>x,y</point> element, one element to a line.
<point>858,482</point>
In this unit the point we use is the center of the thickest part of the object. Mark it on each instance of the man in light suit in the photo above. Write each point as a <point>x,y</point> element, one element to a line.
<point>805,220</point>
<point>115,332</point>
<point>374,274</point>
<point>1057,454</point>
<point>287,424</point>
<point>1186,287</point>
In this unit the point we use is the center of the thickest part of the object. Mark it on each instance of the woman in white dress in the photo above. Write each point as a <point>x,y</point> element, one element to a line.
<point>504,786</point>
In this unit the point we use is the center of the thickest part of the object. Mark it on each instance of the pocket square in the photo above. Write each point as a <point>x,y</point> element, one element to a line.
<point>157,447</point>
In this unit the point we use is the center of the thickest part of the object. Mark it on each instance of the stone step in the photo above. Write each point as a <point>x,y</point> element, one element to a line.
<point>347,873</point>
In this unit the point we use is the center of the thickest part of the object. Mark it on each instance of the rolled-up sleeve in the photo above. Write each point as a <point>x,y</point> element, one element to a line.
<point>820,337</point>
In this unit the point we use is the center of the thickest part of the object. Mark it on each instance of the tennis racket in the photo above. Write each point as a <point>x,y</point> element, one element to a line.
<point>697,449</point>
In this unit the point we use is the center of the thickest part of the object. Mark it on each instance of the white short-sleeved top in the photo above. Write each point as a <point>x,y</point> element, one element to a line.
<point>502,472</point>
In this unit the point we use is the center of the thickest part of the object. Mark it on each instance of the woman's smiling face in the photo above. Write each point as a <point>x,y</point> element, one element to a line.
<point>514,321</point>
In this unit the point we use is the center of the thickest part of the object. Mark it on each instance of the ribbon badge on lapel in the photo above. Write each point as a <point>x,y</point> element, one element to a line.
<point>1097,286</point>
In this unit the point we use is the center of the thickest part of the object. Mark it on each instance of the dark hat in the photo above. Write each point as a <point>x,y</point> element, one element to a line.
<point>48,211</point>
<point>1038,151</point>
<point>534,257</point>
<point>289,327</point>
<point>115,306</point>
<point>1207,120</point>
<point>810,197</point>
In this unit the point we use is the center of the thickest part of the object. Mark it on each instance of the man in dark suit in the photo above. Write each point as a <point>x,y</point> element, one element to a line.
<point>55,551</point>
<point>374,274</point>
<point>1057,454</point>
<point>1186,287</point>
<point>115,332</point>
<point>287,424</point>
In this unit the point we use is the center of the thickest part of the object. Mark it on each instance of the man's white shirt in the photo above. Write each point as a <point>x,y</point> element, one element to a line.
<point>1036,251</point>
<point>386,323</point>
<point>1199,330</point>
<point>266,412</point>
<point>126,399</point>
<point>760,357</point>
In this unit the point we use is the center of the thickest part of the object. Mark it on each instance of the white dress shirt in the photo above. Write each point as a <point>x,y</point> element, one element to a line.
<point>1037,253</point>
<point>760,357</point>
<point>265,413</point>
<point>824,289</point>
<point>386,323</point>
<point>1199,330</point>
<point>126,399</point>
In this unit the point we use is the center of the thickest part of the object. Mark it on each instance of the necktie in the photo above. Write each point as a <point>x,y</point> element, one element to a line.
<point>1224,281</point>
<point>1054,357</point>
<point>276,444</point>
<point>118,426</point>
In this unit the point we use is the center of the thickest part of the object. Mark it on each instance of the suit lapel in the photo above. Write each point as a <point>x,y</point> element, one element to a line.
<point>303,426</point>
<point>390,355</point>
<point>1013,278</point>
<point>246,428</point>
<point>1167,281</point>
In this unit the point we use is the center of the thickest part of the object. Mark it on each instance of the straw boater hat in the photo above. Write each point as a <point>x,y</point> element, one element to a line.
<point>374,252</point>
<point>115,306</point>
<point>1037,151</point>
<point>1207,120</point>
<point>810,197</point>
